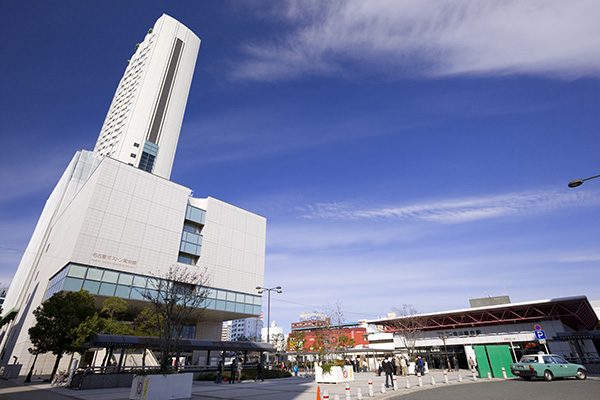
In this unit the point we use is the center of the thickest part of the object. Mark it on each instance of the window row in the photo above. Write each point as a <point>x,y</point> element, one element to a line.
<point>98,276</point>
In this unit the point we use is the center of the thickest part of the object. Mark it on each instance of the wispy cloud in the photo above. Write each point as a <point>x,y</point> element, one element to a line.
<point>257,132</point>
<point>459,210</point>
<point>428,38</point>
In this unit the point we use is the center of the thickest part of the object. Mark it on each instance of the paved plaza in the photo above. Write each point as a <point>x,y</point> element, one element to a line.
<point>296,388</point>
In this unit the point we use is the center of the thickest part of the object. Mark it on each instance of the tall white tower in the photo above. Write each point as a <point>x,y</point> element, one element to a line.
<point>144,119</point>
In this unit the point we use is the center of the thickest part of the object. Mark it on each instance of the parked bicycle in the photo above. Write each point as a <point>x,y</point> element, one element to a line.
<point>61,379</point>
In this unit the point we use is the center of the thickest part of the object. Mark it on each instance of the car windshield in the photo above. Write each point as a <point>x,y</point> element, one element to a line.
<point>529,359</point>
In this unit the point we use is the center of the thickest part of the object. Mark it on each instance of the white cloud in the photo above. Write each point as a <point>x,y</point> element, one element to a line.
<point>429,38</point>
<point>459,210</point>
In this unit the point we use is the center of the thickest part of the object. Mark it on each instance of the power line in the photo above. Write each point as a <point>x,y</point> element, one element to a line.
<point>317,307</point>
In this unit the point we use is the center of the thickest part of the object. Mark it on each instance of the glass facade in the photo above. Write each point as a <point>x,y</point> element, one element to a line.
<point>191,239</point>
<point>106,282</point>
<point>196,215</point>
<point>148,156</point>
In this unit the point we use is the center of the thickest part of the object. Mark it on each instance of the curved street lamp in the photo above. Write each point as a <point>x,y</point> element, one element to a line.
<point>276,289</point>
<point>579,182</point>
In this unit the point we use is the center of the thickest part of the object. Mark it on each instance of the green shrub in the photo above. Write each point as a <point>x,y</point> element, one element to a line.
<point>247,374</point>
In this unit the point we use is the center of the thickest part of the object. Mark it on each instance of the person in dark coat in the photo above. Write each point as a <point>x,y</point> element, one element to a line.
<point>259,371</point>
<point>220,369</point>
<point>234,368</point>
<point>388,368</point>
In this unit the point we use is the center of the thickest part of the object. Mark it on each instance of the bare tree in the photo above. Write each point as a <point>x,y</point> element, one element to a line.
<point>178,298</point>
<point>408,325</point>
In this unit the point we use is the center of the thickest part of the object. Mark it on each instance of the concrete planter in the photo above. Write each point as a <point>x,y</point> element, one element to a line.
<point>161,387</point>
<point>336,375</point>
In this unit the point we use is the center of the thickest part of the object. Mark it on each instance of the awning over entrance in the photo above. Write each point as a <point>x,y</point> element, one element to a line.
<point>148,342</point>
<point>575,312</point>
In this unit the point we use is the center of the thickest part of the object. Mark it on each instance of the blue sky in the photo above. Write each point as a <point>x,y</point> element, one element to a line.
<point>403,151</point>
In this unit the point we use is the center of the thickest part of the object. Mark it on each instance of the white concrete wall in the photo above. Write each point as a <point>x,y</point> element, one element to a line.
<point>233,249</point>
<point>133,216</point>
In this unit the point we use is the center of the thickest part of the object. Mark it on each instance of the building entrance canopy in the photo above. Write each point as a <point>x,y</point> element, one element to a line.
<point>575,312</point>
<point>147,342</point>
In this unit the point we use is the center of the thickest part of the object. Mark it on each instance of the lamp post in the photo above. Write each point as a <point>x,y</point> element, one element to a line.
<point>579,182</point>
<point>261,290</point>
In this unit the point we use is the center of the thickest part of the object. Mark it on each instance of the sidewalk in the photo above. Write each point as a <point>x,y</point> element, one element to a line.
<point>294,388</point>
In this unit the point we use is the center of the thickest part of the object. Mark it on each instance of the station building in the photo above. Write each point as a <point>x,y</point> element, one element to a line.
<point>493,335</point>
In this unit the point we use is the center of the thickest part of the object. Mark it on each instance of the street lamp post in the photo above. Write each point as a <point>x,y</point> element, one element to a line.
<point>579,182</point>
<point>261,290</point>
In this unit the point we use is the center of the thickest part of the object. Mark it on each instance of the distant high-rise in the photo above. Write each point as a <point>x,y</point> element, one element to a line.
<point>144,119</point>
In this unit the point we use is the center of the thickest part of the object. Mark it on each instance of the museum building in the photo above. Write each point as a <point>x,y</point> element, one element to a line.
<point>115,221</point>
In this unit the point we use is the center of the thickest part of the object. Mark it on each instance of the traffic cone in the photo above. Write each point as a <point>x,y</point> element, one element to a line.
<point>318,393</point>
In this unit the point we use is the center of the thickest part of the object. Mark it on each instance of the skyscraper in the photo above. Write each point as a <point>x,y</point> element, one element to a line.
<point>114,221</point>
<point>143,121</point>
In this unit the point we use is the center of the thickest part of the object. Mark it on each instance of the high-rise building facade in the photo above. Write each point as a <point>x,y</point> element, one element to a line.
<point>247,329</point>
<point>144,119</point>
<point>114,222</point>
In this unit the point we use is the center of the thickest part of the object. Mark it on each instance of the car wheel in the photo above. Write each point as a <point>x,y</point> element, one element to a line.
<point>581,374</point>
<point>548,375</point>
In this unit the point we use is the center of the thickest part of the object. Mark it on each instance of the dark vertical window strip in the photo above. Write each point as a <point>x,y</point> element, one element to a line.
<point>165,91</point>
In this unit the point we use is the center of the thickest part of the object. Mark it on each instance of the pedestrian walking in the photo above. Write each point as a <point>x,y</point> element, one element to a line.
<point>388,368</point>
<point>455,362</point>
<point>233,371</point>
<point>397,368</point>
<point>472,363</point>
<point>219,378</point>
<point>240,367</point>
<point>403,365</point>
<point>259,371</point>
<point>420,367</point>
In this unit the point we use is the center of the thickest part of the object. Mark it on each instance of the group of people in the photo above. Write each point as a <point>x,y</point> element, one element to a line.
<point>236,371</point>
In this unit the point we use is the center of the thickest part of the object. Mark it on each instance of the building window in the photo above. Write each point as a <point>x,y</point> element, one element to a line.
<point>133,155</point>
<point>191,227</point>
<point>147,162</point>
<point>195,214</point>
<point>187,259</point>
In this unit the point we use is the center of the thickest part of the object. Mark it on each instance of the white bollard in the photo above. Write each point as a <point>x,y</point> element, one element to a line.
<point>504,373</point>
<point>489,376</point>
<point>325,395</point>
<point>395,383</point>
<point>383,388</point>
<point>370,388</point>
<point>459,377</point>
<point>347,391</point>
<point>432,381</point>
<point>445,377</point>
<point>473,374</point>
<point>420,381</point>
<point>358,394</point>
<point>407,383</point>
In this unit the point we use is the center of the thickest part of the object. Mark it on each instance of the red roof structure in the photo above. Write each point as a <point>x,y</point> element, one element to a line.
<point>576,312</point>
